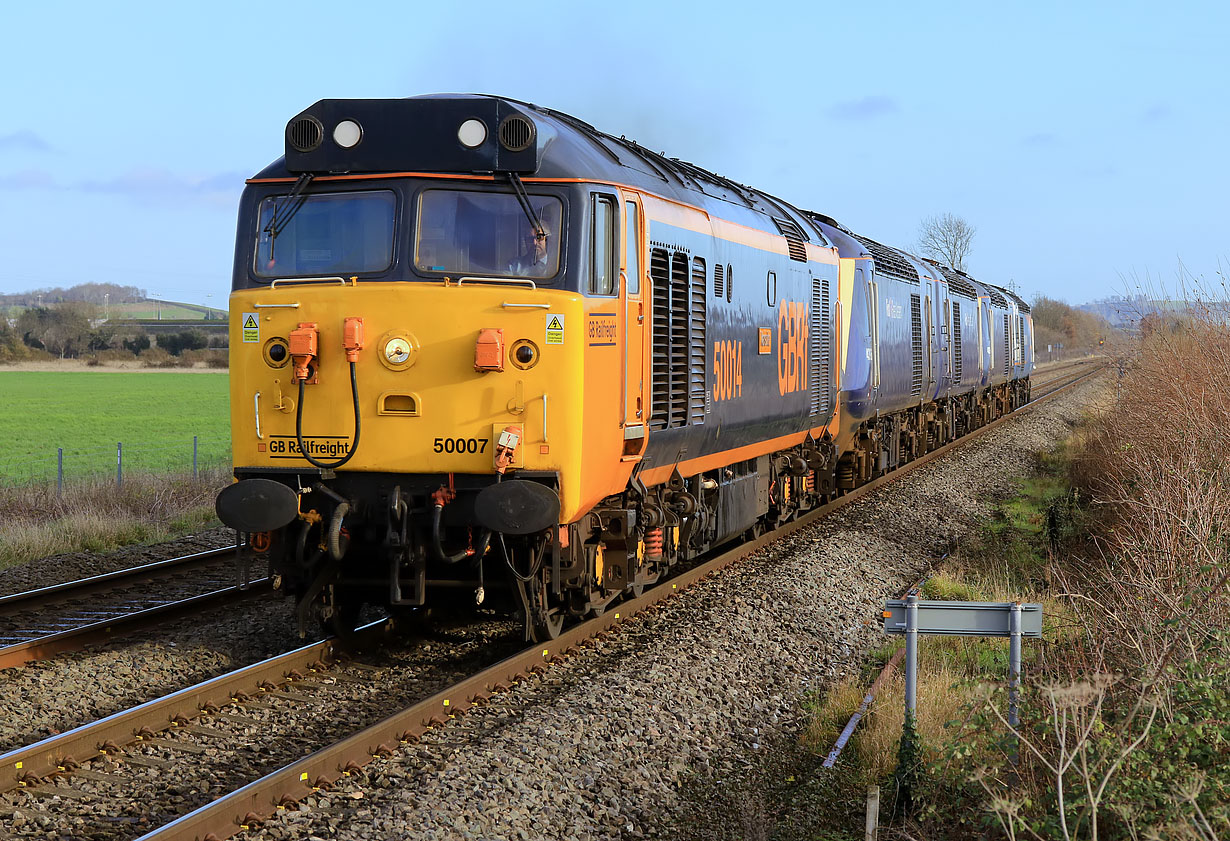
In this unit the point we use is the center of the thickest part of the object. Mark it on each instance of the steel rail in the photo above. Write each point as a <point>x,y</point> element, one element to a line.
<point>41,645</point>
<point>88,586</point>
<point>59,754</point>
<point>74,639</point>
<point>249,805</point>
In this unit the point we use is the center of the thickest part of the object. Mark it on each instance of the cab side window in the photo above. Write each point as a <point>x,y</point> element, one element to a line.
<point>604,255</point>
<point>632,230</point>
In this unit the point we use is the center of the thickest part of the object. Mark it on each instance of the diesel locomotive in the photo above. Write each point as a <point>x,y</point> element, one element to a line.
<point>482,352</point>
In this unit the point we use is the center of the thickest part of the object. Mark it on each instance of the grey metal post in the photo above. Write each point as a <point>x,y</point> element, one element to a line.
<point>195,475</point>
<point>119,464</point>
<point>1014,662</point>
<point>911,655</point>
<point>59,472</point>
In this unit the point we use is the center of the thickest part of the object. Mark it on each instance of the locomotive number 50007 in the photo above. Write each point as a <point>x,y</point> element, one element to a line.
<point>460,445</point>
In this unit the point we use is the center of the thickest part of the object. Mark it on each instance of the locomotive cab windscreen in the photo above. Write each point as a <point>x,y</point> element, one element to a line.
<point>487,234</point>
<point>325,234</point>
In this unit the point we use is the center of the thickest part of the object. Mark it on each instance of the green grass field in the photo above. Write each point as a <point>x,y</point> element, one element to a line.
<point>154,415</point>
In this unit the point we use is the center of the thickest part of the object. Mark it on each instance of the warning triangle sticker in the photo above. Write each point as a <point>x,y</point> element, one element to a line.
<point>249,323</point>
<point>555,325</point>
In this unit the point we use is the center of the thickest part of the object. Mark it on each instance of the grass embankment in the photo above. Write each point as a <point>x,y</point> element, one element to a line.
<point>154,415</point>
<point>1124,537</point>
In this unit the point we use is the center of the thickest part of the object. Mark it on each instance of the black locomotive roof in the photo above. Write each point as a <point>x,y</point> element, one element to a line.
<point>419,134</point>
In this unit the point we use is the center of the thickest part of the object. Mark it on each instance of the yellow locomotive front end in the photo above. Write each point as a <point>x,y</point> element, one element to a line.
<point>442,373</point>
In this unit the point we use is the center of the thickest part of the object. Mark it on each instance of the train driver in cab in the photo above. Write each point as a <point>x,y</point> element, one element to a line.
<point>533,260</point>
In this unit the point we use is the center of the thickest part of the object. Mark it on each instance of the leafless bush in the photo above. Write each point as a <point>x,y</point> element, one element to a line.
<point>1159,463</point>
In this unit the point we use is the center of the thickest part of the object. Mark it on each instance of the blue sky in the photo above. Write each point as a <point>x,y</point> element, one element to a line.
<point>1086,142</point>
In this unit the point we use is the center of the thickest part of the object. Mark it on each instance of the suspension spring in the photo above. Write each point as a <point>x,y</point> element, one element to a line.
<point>654,543</point>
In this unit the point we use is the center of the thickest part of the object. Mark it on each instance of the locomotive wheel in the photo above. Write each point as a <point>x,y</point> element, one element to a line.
<point>343,621</point>
<point>543,613</point>
<point>546,618</point>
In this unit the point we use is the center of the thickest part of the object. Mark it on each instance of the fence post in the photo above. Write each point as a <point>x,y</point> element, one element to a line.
<point>119,464</point>
<point>873,813</point>
<point>195,475</point>
<point>1014,679</point>
<point>59,473</point>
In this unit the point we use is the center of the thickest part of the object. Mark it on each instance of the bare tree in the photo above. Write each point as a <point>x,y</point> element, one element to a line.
<point>947,238</point>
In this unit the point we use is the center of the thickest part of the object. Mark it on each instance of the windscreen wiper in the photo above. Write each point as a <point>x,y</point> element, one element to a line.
<point>285,210</point>
<point>519,189</point>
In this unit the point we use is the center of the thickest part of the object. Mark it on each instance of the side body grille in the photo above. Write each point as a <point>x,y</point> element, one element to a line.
<point>678,360</point>
<point>1007,358</point>
<point>956,343</point>
<point>916,337</point>
<point>819,342</point>
<point>696,343</point>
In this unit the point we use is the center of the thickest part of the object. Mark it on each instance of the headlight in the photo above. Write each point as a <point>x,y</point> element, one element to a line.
<point>347,134</point>
<point>524,354</point>
<point>277,352</point>
<point>472,133</point>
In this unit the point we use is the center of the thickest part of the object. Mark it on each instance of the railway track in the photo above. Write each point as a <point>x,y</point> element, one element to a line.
<point>1064,373</point>
<point>41,623</point>
<point>239,712</point>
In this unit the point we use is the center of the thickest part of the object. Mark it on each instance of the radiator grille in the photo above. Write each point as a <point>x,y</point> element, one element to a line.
<point>916,340</point>
<point>956,343</point>
<point>819,345</point>
<point>958,281</point>
<point>1020,340</point>
<point>1007,336</point>
<point>794,238</point>
<point>889,261</point>
<point>670,363</point>
<point>719,282</point>
<point>696,343</point>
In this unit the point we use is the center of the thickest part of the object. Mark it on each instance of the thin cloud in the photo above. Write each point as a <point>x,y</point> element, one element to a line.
<point>158,186</point>
<point>869,107</point>
<point>144,186</point>
<point>28,179</point>
<point>24,140</point>
<point>1156,113</point>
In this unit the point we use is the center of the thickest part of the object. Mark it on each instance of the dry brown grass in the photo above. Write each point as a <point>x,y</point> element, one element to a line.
<point>96,516</point>
<point>944,691</point>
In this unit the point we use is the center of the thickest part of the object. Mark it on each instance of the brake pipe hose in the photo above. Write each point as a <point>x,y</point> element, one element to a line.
<point>324,465</point>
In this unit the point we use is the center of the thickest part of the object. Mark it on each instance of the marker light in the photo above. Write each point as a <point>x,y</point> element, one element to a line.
<point>347,134</point>
<point>472,133</point>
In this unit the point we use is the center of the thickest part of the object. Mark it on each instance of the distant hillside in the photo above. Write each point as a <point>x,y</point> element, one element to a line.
<point>111,301</point>
<point>1126,313</point>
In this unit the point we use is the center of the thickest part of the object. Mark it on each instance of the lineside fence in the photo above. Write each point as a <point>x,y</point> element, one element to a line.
<point>125,460</point>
